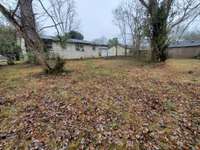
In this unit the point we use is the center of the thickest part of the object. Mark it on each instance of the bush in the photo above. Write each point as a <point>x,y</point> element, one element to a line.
<point>56,65</point>
<point>31,58</point>
<point>10,61</point>
<point>197,57</point>
<point>8,44</point>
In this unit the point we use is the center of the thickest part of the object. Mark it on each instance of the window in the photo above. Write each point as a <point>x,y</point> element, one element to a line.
<point>79,47</point>
<point>48,44</point>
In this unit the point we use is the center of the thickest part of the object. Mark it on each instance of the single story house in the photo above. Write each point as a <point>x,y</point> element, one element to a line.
<point>77,49</point>
<point>74,49</point>
<point>178,49</point>
<point>184,49</point>
<point>119,50</point>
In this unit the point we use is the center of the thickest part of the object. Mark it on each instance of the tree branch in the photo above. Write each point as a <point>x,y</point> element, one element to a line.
<point>15,10</point>
<point>144,4</point>
<point>8,15</point>
<point>185,15</point>
<point>51,18</point>
<point>50,26</point>
<point>188,24</point>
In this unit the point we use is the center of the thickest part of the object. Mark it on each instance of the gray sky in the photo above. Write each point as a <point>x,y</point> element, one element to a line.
<point>96,18</point>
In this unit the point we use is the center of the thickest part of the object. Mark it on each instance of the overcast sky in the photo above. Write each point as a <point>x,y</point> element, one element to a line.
<point>96,18</point>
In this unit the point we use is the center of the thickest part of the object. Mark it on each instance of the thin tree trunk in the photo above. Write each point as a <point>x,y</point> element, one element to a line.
<point>116,47</point>
<point>138,41</point>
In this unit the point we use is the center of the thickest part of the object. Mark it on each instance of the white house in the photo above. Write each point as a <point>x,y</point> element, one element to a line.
<point>74,49</point>
<point>78,49</point>
<point>119,50</point>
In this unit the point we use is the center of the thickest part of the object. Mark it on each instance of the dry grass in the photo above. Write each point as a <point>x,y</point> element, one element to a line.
<point>102,104</point>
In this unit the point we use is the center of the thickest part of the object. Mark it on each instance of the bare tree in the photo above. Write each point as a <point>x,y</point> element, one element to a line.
<point>64,14</point>
<point>25,24</point>
<point>120,21</point>
<point>163,16</point>
<point>114,43</point>
<point>191,35</point>
<point>135,15</point>
<point>130,18</point>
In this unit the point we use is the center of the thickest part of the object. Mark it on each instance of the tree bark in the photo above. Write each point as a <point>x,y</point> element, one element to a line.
<point>30,34</point>
<point>116,48</point>
<point>159,34</point>
<point>137,42</point>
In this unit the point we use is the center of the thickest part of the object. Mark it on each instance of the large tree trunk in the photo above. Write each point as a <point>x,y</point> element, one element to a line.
<point>159,46</point>
<point>159,34</point>
<point>29,32</point>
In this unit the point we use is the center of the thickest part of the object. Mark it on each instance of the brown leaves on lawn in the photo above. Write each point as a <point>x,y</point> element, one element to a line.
<point>102,104</point>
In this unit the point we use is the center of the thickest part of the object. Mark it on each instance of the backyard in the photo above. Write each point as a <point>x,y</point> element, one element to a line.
<point>101,104</point>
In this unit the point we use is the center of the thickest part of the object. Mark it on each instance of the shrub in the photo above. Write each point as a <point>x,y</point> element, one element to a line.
<point>10,61</point>
<point>56,65</point>
<point>197,57</point>
<point>31,58</point>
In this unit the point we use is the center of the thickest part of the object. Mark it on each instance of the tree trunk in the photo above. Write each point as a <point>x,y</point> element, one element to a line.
<point>159,35</point>
<point>158,49</point>
<point>30,34</point>
<point>116,48</point>
<point>137,43</point>
<point>154,51</point>
<point>125,50</point>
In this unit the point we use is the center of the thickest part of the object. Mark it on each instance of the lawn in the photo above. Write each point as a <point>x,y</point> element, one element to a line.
<point>101,104</point>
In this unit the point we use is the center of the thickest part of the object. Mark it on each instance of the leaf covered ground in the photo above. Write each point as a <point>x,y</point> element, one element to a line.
<point>101,104</point>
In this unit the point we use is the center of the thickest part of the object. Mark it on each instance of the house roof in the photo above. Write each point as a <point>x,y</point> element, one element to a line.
<point>80,42</point>
<point>124,46</point>
<point>74,41</point>
<point>85,42</point>
<point>185,43</point>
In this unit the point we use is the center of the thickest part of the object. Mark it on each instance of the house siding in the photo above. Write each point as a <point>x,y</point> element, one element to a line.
<point>183,52</point>
<point>21,43</point>
<point>70,51</point>
<point>119,51</point>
